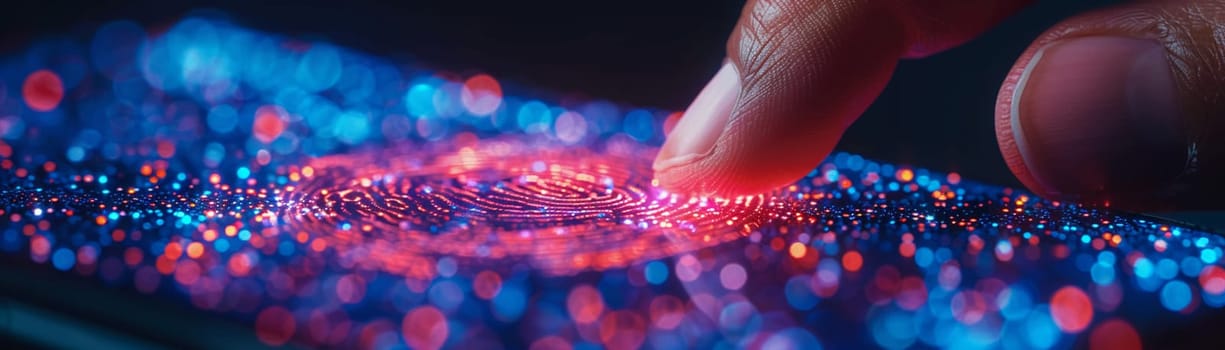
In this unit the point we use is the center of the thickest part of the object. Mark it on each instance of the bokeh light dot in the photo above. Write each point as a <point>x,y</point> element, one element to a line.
<point>792,339</point>
<point>43,90</point>
<point>486,284</point>
<point>481,95</point>
<point>269,123</point>
<point>425,328</point>
<point>1071,309</point>
<point>551,342</point>
<point>585,304</point>
<point>798,293</point>
<point>63,259</point>
<point>1040,330</point>
<point>656,272</point>
<point>570,127</point>
<point>1114,334</point>
<point>275,325</point>
<point>852,261</point>
<point>732,276</point>
<point>688,268</point>
<point>667,312</point>
<point>1175,295</point>
<point>1212,280</point>
<point>622,330</point>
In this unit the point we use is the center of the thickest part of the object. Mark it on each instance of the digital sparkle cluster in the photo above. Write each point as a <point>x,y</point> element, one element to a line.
<point>328,198</point>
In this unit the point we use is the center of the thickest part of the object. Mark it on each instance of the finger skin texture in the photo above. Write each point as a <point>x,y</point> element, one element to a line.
<point>806,70</point>
<point>1090,113</point>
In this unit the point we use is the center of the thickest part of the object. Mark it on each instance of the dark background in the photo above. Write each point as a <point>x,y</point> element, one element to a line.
<point>935,113</point>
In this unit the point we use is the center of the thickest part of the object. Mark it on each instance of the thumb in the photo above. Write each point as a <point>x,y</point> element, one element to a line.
<point>798,73</point>
<point>1124,106</point>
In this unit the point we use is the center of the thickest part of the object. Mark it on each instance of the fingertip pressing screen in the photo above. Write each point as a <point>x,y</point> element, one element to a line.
<point>324,197</point>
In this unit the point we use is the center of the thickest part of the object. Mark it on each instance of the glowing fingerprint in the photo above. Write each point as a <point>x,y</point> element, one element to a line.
<point>561,210</point>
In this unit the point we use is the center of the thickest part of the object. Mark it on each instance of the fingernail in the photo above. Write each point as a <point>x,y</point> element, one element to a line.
<point>703,122</point>
<point>1099,116</point>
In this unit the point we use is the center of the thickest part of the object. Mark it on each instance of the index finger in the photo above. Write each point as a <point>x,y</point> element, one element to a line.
<point>798,73</point>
